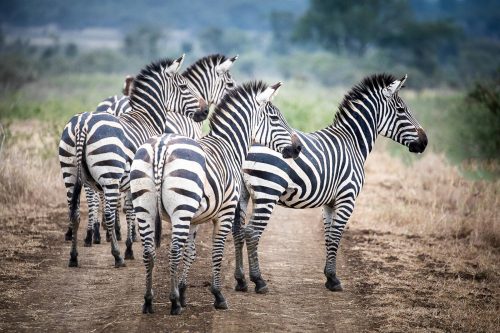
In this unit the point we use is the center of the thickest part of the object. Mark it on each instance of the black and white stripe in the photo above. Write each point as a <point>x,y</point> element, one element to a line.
<point>115,105</point>
<point>105,144</point>
<point>329,173</point>
<point>190,182</point>
<point>209,78</point>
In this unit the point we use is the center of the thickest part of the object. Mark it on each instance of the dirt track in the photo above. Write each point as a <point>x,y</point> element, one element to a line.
<point>392,282</point>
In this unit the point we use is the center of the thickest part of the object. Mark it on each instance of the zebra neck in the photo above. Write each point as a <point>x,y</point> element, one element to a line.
<point>148,124</point>
<point>358,123</point>
<point>229,135</point>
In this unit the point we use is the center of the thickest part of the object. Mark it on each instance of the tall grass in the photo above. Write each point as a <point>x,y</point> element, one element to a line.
<point>432,197</point>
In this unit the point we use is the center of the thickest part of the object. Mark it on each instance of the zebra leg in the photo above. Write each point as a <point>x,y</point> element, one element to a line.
<point>261,213</point>
<point>117,221</point>
<point>129,210</point>
<point>97,224</point>
<point>103,221</point>
<point>75,222</point>
<point>334,225</point>
<point>188,259</point>
<point>239,240</point>
<point>93,203</point>
<point>135,230</point>
<point>69,232</point>
<point>111,196</point>
<point>148,257</point>
<point>222,226</point>
<point>179,237</point>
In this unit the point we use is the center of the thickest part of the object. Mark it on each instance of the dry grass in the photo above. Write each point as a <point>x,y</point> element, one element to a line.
<point>437,199</point>
<point>29,169</point>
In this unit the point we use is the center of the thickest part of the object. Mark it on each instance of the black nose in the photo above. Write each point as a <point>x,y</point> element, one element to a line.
<point>291,151</point>
<point>200,115</point>
<point>419,145</point>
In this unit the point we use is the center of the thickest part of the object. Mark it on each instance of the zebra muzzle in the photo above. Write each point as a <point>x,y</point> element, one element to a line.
<point>418,146</point>
<point>293,150</point>
<point>203,113</point>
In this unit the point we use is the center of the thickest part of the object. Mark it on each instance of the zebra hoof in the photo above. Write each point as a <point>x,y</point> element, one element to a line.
<point>97,234</point>
<point>88,239</point>
<point>260,286</point>
<point>68,235</point>
<point>120,263</point>
<point>129,254</point>
<point>241,285</point>
<point>182,294</point>
<point>220,301</point>
<point>73,262</point>
<point>176,308</point>
<point>220,305</point>
<point>147,307</point>
<point>333,284</point>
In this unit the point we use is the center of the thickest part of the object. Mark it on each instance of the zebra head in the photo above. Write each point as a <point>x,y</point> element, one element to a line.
<point>209,78</point>
<point>273,130</point>
<point>180,97</point>
<point>397,122</point>
<point>159,88</point>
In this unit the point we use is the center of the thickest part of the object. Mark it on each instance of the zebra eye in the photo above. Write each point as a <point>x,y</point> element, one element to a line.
<point>400,109</point>
<point>274,117</point>
<point>230,84</point>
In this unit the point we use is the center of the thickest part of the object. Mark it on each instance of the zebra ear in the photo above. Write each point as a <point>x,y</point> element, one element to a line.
<point>268,94</point>
<point>175,65</point>
<point>226,65</point>
<point>128,85</point>
<point>394,87</point>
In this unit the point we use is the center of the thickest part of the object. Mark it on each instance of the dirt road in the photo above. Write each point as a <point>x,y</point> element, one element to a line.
<point>393,282</point>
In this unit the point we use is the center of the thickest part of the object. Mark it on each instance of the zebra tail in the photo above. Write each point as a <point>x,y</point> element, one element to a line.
<point>75,196</point>
<point>158,163</point>
<point>237,219</point>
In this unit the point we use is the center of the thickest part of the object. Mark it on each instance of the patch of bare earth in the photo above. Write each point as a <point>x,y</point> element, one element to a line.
<point>420,254</point>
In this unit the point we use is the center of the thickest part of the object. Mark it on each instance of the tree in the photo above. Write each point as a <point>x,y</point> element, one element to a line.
<point>351,25</point>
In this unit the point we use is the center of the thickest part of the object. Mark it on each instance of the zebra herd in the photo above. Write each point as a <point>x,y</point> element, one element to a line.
<point>147,145</point>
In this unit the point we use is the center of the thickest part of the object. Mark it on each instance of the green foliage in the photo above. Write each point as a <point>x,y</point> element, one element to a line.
<point>143,42</point>
<point>57,98</point>
<point>346,25</point>
<point>225,41</point>
<point>487,94</point>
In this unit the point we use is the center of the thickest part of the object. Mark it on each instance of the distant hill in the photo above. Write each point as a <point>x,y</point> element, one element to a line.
<point>192,15</point>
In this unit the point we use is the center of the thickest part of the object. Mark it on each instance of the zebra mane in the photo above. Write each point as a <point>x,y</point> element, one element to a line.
<point>205,62</point>
<point>146,74</point>
<point>250,87</point>
<point>369,83</point>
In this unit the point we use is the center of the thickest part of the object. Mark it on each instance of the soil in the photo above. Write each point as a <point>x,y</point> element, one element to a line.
<point>392,283</point>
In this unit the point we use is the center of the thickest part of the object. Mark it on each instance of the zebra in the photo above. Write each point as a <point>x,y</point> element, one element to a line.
<point>115,105</point>
<point>105,144</point>
<point>329,174</point>
<point>193,182</point>
<point>209,78</point>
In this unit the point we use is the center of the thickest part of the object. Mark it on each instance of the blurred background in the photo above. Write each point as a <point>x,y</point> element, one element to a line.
<point>58,58</point>
<point>438,212</point>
